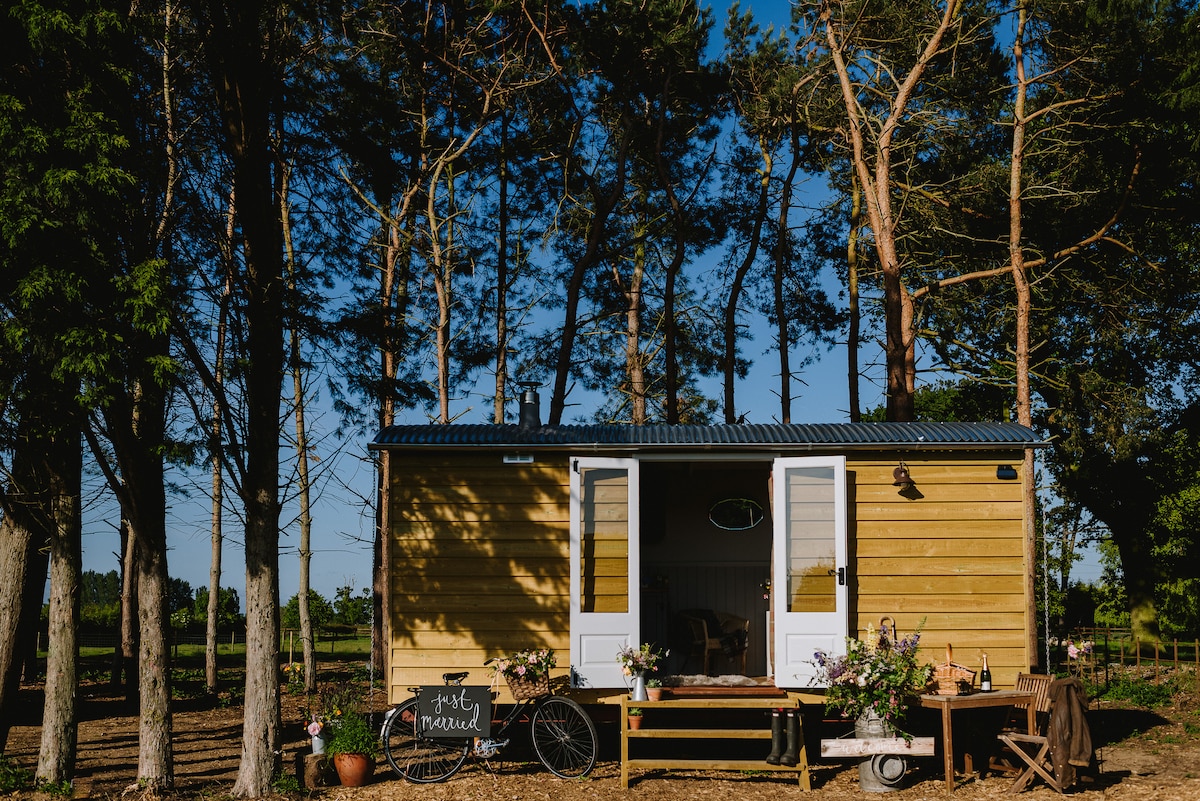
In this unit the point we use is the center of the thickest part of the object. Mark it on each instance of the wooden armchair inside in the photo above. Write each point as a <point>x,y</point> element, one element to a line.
<point>719,634</point>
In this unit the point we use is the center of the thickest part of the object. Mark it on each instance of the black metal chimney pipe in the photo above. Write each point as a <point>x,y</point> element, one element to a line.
<point>531,406</point>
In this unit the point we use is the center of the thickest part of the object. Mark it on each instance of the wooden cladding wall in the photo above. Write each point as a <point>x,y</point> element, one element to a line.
<point>949,553</point>
<point>478,563</point>
<point>478,556</point>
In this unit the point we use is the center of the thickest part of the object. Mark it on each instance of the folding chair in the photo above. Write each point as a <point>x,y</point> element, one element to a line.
<point>1018,720</point>
<point>1039,685</point>
<point>1067,731</point>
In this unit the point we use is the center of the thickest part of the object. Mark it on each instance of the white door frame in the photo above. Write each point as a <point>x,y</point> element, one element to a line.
<point>597,636</point>
<point>799,635</point>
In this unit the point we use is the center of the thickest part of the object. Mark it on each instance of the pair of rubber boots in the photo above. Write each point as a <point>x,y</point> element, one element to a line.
<point>785,738</point>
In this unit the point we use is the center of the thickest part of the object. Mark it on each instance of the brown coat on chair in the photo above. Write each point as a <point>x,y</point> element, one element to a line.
<point>1068,733</point>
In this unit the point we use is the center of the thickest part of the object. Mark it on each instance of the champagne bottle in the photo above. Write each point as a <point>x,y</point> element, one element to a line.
<point>985,677</point>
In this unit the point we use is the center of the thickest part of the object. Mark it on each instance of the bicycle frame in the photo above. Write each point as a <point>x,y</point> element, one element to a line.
<point>563,737</point>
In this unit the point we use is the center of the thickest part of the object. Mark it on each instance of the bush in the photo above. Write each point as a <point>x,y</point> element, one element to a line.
<point>352,734</point>
<point>13,777</point>
<point>1140,692</point>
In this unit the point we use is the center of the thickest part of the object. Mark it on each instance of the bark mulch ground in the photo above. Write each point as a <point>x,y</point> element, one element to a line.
<point>1143,755</point>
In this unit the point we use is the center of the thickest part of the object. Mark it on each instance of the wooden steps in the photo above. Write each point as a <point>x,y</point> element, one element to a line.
<point>709,703</point>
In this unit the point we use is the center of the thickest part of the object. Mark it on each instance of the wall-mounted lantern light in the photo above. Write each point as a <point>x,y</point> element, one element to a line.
<point>902,479</point>
<point>1006,472</point>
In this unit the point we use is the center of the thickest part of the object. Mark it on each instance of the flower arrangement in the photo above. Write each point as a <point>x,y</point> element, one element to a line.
<point>293,673</point>
<point>642,659</point>
<point>529,664</point>
<point>317,721</point>
<point>878,674</point>
<point>331,706</point>
<point>1075,651</point>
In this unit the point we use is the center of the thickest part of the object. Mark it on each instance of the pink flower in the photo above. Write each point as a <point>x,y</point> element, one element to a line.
<point>314,728</point>
<point>1072,651</point>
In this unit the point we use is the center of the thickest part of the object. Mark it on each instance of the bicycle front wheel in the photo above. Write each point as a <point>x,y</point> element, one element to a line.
<point>564,737</point>
<point>419,759</point>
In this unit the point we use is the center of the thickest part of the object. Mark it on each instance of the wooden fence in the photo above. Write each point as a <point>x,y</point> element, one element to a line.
<point>1117,647</point>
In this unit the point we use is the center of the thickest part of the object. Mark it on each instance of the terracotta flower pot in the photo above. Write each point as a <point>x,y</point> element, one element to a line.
<point>354,770</point>
<point>635,722</point>
<point>654,693</point>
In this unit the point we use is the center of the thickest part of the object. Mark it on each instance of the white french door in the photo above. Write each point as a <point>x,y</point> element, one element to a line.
<point>605,568</point>
<point>808,575</point>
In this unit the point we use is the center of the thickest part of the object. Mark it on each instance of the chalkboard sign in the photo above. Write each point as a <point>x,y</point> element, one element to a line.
<point>454,711</point>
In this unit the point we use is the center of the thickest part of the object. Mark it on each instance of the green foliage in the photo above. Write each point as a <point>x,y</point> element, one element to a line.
<point>62,789</point>
<point>962,401</point>
<point>229,606</point>
<point>350,609</point>
<point>1136,690</point>
<point>13,777</point>
<point>319,611</point>
<point>285,783</point>
<point>352,734</point>
<point>179,596</point>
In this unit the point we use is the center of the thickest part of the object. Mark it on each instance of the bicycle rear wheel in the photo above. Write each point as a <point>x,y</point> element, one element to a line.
<point>418,759</point>
<point>564,737</point>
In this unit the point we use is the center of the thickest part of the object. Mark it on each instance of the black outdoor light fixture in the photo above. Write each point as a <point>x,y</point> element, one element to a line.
<point>902,479</point>
<point>1006,472</point>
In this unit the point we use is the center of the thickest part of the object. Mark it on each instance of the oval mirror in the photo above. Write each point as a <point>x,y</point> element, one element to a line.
<point>735,514</point>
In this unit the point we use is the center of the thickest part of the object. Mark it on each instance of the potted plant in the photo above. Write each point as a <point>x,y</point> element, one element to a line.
<point>354,747</point>
<point>634,716</point>
<point>654,689</point>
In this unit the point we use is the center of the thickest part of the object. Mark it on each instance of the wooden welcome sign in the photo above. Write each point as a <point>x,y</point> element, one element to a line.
<point>848,747</point>
<point>454,711</point>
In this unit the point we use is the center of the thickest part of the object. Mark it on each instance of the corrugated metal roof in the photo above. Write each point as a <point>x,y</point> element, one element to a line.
<point>826,436</point>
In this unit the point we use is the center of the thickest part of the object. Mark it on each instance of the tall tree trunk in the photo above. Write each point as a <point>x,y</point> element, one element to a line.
<point>730,331</point>
<point>246,87</point>
<point>874,171</point>
<point>1024,308</point>
<point>155,757</point>
<point>635,371</point>
<point>56,755</point>
<point>501,277</point>
<point>596,234</point>
<point>15,541</point>
<point>307,643</point>
<point>22,568</point>
<point>216,449</point>
<point>854,323</point>
<point>125,667</point>
<point>779,257</point>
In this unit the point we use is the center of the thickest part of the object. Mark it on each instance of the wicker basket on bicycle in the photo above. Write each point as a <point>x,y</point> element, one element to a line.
<point>524,688</point>
<point>951,678</point>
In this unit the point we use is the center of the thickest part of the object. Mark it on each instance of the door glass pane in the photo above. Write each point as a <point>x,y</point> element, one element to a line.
<point>604,540</point>
<point>811,539</point>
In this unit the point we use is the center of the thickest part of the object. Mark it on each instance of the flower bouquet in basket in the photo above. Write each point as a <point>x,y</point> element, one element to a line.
<point>877,676</point>
<point>527,673</point>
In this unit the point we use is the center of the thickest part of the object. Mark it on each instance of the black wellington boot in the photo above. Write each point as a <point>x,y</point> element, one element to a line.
<point>776,754</point>
<point>791,754</point>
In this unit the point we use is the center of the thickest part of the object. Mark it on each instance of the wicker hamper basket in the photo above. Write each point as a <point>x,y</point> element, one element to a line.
<point>951,678</point>
<point>524,689</point>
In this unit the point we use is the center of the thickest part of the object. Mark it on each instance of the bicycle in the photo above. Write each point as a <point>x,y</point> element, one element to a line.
<point>564,738</point>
